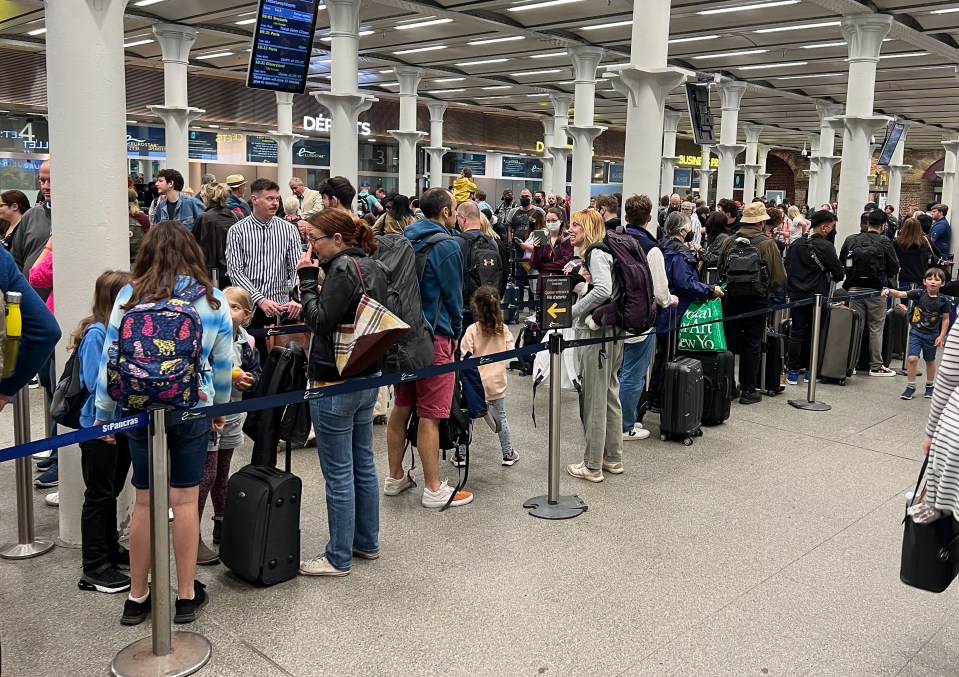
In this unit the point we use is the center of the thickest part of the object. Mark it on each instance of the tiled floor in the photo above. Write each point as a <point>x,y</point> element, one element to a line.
<point>769,547</point>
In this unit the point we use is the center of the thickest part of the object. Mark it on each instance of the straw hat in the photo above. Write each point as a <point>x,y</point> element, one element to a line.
<point>754,212</point>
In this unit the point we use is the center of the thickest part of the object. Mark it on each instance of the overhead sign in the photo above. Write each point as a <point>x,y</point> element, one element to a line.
<point>282,45</point>
<point>24,135</point>
<point>892,140</point>
<point>146,141</point>
<point>203,145</point>
<point>556,302</point>
<point>309,152</point>
<point>615,173</point>
<point>701,119</point>
<point>522,168</point>
<point>475,162</point>
<point>320,123</point>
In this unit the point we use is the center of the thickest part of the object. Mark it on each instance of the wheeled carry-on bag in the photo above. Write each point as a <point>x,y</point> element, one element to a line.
<point>260,541</point>
<point>841,344</point>
<point>682,404</point>
<point>895,334</point>
<point>718,381</point>
<point>773,363</point>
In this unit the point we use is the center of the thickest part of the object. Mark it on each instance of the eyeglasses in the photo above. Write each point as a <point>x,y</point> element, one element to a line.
<point>313,240</point>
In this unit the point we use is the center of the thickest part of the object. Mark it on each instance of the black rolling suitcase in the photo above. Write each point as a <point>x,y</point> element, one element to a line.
<point>841,344</point>
<point>773,363</point>
<point>260,541</point>
<point>895,334</point>
<point>511,300</point>
<point>719,378</point>
<point>682,403</point>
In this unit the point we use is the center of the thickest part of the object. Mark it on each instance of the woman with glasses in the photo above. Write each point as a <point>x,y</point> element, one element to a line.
<point>550,257</point>
<point>13,204</point>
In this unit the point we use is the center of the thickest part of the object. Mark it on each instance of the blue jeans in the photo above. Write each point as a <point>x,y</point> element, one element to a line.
<point>632,377</point>
<point>344,441</point>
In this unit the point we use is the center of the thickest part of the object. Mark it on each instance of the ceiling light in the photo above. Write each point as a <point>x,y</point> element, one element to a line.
<point>945,11</point>
<point>490,98</point>
<point>131,122</point>
<point>137,43</point>
<point>542,72</point>
<point>144,3</point>
<point>539,94</point>
<point>488,89</point>
<point>421,24</point>
<point>697,38</point>
<point>446,91</point>
<point>481,63</point>
<point>385,71</point>
<point>213,126</point>
<point>741,52</point>
<point>369,139</point>
<point>547,55</point>
<point>744,8</point>
<point>903,55</point>
<point>810,75</point>
<point>420,49</point>
<point>780,29</point>
<point>615,24</point>
<point>214,55</point>
<point>763,66</point>
<point>37,31</point>
<point>244,22</point>
<point>540,5</point>
<point>490,41</point>
<point>389,84</point>
<point>441,80</point>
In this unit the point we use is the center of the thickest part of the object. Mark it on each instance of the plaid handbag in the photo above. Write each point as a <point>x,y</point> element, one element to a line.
<point>374,331</point>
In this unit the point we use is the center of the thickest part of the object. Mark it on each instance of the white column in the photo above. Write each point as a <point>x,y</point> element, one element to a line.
<point>951,198</point>
<point>864,34</point>
<point>704,171</point>
<point>584,132</point>
<point>84,54</point>
<point>407,135</point>
<point>948,173</point>
<point>731,95</point>
<point>344,101</point>
<point>436,150</point>
<point>762,175</point>
<point>645,82</point>
<point>285,138</point>
<point>549,127</point>
<point>751,167</point>
<point>670,126</point>
<point>176,113</point>
<point>822,189</point>
<point>560,149</point>
<point>897,169</point>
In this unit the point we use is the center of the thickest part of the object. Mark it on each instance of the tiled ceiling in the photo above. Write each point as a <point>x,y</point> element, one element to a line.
<point>510,54</point>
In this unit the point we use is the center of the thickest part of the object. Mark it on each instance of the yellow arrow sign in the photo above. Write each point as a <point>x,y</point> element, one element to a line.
<point>554,310</point>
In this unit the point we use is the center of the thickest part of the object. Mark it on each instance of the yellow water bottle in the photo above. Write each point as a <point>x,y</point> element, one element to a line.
<point>14,327</point>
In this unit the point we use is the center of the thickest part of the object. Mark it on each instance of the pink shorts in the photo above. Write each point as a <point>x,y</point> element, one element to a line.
<point>431,396</point>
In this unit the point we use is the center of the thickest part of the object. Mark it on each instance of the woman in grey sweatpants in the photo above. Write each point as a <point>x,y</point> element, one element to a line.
<point>599,363</point>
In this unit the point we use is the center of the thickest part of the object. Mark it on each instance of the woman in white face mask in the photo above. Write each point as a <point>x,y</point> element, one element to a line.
<point>549,257</point>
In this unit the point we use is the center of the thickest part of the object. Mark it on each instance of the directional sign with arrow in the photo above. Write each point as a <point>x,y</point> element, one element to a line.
<point>556,302</point>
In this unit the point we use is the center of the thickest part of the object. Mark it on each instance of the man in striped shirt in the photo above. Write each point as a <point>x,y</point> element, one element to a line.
<point>261,255</point>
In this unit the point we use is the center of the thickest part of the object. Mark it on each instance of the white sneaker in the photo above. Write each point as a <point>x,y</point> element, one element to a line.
<point>882,371</point>
<point>393,487</point>
<point>438,498</point>
<point>42,454</point>
<point>320,566</point>
<point>635,434</point>
<point>52,499</point>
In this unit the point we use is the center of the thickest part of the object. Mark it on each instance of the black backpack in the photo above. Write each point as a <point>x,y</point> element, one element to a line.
<point>394,254</point>
<point>70,394</point>
<point>529,335</point>
<point>745,271</point>
<point>481,265</point>
<point>283,372</point>
<point>866,261</point>
<point>362,206</point>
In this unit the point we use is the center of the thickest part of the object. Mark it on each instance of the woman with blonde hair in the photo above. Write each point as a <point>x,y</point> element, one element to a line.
<point>599,363</point>
<point>210,230</point>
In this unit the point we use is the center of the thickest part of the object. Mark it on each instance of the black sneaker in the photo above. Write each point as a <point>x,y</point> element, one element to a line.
<point>109,580</point>
<point>217,530</point>
<point>736,392</point>
<point>135,613</point>
<point>187,610</point>
<point>751,398</point>
<point>121,560</point>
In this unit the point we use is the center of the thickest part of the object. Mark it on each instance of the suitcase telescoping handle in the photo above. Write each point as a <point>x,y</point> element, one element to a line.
<point>672,338</point>
<point>289,457</point>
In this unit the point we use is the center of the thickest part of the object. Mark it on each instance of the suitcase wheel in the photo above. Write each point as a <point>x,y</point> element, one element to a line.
<point>688,441</point>
<point>279,502</point>
<point>663,437</point>
<point>293,498</point>
<point>272,564</point>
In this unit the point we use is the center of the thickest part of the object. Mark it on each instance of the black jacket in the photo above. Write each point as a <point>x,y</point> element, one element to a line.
<point>891,262</point>
<point>210,229</point>
<point>915,260</point>
<point>335,304</point>
<point>805,277</point>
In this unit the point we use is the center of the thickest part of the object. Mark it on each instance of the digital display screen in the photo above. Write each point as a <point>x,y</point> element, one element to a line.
<point>282,45</point>
<point>203,146</point>
<point>892,140</point>
<point>146,141</point>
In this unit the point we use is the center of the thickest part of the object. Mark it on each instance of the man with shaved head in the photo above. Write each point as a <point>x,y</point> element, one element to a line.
<point>484,268</point>
<point>675,203</point>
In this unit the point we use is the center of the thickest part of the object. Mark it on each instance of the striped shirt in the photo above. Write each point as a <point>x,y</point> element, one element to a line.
<point>261,257</point>
<point>942,477</point>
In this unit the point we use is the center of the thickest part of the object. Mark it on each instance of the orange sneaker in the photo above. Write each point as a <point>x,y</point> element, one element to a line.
<point>438,498</point>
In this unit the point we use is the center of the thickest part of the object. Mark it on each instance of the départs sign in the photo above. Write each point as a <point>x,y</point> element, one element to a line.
<point>321,123</point>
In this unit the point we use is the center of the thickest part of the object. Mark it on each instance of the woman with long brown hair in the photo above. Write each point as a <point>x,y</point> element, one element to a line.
<point>915,252</point>
<point>341,245</point>
<point>168,265</point>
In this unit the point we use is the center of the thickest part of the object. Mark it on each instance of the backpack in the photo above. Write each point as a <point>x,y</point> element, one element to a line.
<point>634,309</point>
<point>529,335</point>
<point>394,254</point>
<point>518,220</point>
<point>363,205</point>
<point>482,265</point>
<point>866,260</point>
<point>745,271</point>
<point>283,372</point>
<point>70,394</point>
<point>159,354</point>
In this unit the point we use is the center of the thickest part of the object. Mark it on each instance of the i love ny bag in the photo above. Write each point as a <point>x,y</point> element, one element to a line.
<point>374,331</point>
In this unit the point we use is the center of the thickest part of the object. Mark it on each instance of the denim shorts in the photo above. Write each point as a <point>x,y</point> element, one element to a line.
<point>923,342</point>
<point>187,443</point>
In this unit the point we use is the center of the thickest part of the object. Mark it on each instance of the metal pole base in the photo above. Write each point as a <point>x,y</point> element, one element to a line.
<point>38,547</point>
<point>564,508</point>
<point>806,405</point>
<point>190,653</point>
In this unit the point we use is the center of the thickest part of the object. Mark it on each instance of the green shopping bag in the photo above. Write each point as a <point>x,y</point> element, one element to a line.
<point>696,334</point>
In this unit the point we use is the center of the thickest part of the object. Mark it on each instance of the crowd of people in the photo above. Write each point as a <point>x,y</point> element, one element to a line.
<point>223,263</point>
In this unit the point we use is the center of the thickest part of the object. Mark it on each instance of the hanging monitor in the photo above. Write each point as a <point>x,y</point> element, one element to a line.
<point>697,96</point>
<point>283,45</point>
<point>889,146</point>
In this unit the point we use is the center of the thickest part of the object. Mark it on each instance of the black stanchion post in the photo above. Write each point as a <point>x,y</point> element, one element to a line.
<point>810,403</point>
<point>27,545</point>
<point>165,652</point>
<point>553,506</point>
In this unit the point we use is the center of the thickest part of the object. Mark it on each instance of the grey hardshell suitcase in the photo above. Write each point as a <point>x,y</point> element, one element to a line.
<point>841,344</point>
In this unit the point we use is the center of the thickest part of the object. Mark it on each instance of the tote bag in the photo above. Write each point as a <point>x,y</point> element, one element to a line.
<point>696,334</point>
<point>373,332</point>
<point>930,552</point>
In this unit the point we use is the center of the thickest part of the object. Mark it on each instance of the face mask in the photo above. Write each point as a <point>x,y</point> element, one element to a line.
<point>689,237</point>
<point>553,226</point>
<point>524,201</point>
<point>538,200</point>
